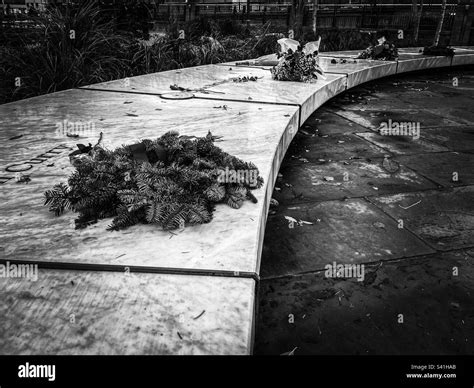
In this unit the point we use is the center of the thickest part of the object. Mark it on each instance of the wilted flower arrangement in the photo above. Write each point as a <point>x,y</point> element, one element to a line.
<point>383,50</point>
<point>296,62</point>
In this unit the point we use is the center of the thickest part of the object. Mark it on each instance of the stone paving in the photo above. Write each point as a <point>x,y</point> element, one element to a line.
<point>403,207</point>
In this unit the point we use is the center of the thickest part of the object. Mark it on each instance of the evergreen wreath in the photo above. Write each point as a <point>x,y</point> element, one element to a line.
<point>170,181</point>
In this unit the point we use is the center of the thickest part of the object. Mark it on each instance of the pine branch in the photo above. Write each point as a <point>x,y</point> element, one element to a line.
<point>58,199</point>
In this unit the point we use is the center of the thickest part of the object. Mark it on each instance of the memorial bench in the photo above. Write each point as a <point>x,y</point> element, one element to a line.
<point>143,290</point>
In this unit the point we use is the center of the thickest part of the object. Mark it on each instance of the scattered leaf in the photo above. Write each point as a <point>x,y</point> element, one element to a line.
<point>290,353</point>
<point>200,315</point>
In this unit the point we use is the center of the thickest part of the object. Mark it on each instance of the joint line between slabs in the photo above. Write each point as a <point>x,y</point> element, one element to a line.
<point>248,101</point>
<point>337,73</point>
<point>367,199</point>
<point>120,91</point>
<point>368,196</point>
<point>244,66</point>
<point>368,264</point>
<point>92,267</point>
<point>194,97</point>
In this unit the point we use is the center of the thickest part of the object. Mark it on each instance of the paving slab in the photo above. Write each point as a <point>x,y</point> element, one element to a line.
<point>381,95</point>
<point>317,148</point>
<point>303,310</point>
<point>404,145</point>
<point>338,180</point>
<point>372,118</point>
<point>100,313</point>
<point>328,122</point>
<point>361,99</point>
<point>431,97</point>
<point>345,316</point>
<point>28,231</point>
<point>462,115</point>
<point>444,219</point>
<point>434,80</point>
<point>453,138</point>
<point>449,169</point>
<point>345,232</point>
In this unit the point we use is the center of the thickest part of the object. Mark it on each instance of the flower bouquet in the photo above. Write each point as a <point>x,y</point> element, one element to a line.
<point>296,62</point>
<point>293,62</point>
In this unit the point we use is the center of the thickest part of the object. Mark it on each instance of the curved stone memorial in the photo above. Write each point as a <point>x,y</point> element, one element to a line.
<point>143,290</point>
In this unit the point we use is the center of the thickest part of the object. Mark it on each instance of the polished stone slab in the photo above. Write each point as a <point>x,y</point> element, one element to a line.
<point>410,50</point>
<point>309,96</point>
<point>463,49</point>
<point>461,59</point>
<point>340,54</point>
<point>216,82</point>
<point>412,58</point>
<point>358,70</point>
<point>29,232</point>
<point>418,61</point>
<point>109,313</point>
<point>193,78</point>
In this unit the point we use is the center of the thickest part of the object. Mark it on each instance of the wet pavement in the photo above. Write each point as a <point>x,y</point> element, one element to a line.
<point>400,207</point>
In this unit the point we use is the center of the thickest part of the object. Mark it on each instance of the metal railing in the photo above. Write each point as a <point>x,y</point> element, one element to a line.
<point>342,16</point>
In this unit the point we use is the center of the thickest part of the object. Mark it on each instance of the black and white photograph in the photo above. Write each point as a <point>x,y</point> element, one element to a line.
<point>256,178</point>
